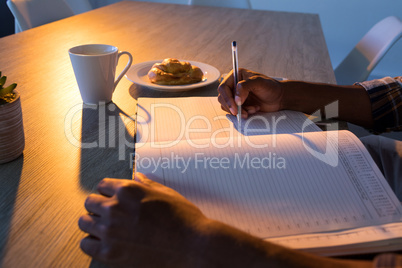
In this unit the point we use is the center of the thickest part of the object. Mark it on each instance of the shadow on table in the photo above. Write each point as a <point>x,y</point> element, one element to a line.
<point>137,91</point>
<point>106,144</point>
<point>9,182</point>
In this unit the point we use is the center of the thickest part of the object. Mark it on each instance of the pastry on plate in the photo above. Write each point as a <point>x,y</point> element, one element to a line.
<point>174,72</point>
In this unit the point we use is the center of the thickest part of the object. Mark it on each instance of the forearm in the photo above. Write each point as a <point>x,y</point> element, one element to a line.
<point>354,103</point>
<point>225,246</point>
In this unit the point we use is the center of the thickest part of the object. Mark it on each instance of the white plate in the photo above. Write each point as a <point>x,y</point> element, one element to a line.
<point>138,75</point>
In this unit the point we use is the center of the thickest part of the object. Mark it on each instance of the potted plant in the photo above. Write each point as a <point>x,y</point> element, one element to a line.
<point>12,139</point>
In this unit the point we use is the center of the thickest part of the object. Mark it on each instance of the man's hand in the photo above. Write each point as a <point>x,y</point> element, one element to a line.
<point>140,223</point>
<point>257,93</point>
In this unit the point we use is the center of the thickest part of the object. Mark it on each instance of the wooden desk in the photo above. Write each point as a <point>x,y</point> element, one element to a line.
<point>43,191</point>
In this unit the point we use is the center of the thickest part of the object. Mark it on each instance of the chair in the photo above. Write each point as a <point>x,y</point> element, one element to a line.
<point>359,63</point>
<point>32,13</point>
<point>222,3</point>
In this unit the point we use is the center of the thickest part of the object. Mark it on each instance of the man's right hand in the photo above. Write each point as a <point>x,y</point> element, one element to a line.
<point>257,92</point>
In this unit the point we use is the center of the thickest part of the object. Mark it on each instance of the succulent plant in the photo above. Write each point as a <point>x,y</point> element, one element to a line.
<point>7,94</point>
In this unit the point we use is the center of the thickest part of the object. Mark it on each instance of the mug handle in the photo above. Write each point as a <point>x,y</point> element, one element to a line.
<point>130,61</point>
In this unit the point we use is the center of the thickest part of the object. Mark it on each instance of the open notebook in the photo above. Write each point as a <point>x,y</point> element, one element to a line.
<point>276,176</point>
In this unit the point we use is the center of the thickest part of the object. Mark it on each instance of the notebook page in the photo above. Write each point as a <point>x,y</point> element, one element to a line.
<point>386,237</point>
<point>282,189</point>
<point>193,118</point>
<point>171,119</point>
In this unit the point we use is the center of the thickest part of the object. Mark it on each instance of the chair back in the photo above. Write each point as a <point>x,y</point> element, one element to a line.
<point>222,3</point>
<point>364,57</point>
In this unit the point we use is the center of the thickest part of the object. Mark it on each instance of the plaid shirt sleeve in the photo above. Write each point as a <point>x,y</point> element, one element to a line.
<point>386,101</point>
<point>388,261</point>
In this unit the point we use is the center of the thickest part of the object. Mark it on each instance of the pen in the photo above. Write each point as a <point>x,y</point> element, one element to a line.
<point>236,77</point>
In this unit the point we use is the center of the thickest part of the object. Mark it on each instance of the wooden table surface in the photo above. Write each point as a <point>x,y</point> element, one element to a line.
<point>70,148</point>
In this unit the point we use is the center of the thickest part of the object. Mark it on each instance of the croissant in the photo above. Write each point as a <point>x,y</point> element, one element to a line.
<point>174,72</point>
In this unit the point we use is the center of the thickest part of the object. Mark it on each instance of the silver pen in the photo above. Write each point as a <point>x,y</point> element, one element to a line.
<point>236,76</point>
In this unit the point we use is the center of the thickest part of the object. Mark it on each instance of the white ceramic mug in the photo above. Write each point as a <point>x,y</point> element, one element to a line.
<point>95,68</point>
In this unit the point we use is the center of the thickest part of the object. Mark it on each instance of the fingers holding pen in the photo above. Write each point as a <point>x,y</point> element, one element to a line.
<point>229,95</point>
<point>250,92</point>
<point>226,97</point>
<point>242,99</point>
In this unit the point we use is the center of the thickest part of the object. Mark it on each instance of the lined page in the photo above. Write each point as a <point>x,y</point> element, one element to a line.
<point>381,238</point>
<point>282,189</point>
<point>194,118</point>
